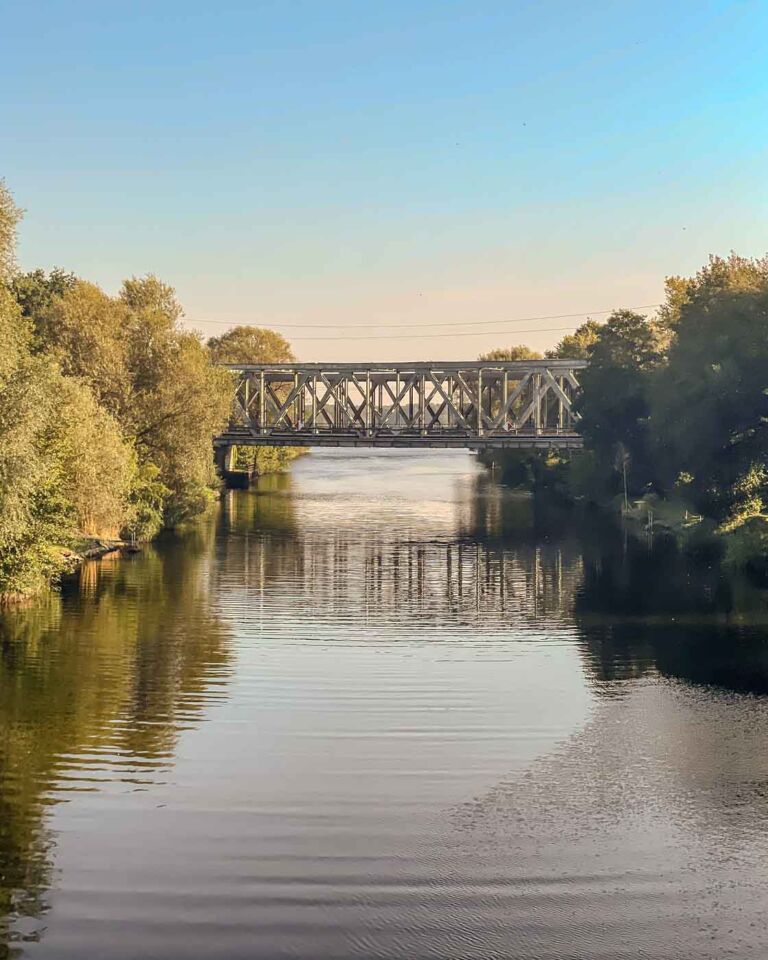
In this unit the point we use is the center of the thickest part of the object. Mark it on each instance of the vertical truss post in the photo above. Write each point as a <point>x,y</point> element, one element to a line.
<point>262,404</point>
<point>480,402</point>
<point>368,418</point>
<point>423,405</point>
<point>505,400</point>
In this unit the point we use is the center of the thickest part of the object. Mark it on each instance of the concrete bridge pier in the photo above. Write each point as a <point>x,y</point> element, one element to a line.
<point>225,456</point>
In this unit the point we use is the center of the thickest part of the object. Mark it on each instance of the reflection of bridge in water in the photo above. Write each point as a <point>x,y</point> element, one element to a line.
<point>479,404</point>
<point>417,583</point>
<point>495,561</point>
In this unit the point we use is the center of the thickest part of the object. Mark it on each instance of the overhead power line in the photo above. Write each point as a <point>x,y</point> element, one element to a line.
<point>410,326</point>
<point>434,336</point>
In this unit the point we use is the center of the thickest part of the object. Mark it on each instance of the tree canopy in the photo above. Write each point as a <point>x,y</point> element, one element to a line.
<point>520,352</point>
<point>577,345</point>
<point>251,345</point>
<point>710,401</point>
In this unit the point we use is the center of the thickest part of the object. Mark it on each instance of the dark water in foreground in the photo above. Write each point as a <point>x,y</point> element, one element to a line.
<point>383,709</point>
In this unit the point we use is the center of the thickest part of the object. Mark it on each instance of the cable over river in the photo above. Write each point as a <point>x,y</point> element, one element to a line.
<point>383,708</point>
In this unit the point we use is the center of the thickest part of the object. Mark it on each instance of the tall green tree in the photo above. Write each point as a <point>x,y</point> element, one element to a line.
<point>710,406</point>
<point>97,466</point>
<point>178,398</point>
<point>33,511</point>
<point>616,393</point>
<point>84,330</point>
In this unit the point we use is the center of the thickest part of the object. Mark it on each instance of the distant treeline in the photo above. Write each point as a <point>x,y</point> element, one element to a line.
<point>675,405</point>
<point>107,410</point>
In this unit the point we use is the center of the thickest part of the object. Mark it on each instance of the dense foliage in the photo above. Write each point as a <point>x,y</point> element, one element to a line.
<point>677,404</point>
<point>107,410</point>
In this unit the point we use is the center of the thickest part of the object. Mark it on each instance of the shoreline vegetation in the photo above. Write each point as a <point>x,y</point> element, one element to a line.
<point>108,406</point>
<point>674,416</point>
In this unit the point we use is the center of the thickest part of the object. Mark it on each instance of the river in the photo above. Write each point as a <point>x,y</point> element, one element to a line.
<point>381,707</point>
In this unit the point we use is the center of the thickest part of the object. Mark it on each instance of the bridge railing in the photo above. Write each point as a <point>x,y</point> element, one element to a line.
<point>449,404</point>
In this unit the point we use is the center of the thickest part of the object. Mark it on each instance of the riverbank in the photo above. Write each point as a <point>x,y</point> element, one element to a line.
<point>69,559</point>
<point>743,546</point>
<point>571,482</point>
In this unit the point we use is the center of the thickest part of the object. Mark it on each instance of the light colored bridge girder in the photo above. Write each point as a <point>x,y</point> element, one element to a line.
<point>474,404</point>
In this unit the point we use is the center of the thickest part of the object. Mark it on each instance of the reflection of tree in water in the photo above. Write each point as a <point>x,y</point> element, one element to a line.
<point>103,677</point>
<point>647,606</point>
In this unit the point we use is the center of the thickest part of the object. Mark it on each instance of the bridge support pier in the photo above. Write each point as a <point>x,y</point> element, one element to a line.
<point>225,457</point>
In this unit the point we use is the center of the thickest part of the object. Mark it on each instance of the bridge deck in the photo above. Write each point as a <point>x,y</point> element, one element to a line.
<point>477,404</point>
<point>570,441</point>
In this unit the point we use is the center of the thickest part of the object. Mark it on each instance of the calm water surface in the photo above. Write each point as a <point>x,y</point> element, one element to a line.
<point>382,708</point>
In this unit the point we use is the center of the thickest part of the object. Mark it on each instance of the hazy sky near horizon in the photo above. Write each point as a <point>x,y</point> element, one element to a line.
<point>388,166</point>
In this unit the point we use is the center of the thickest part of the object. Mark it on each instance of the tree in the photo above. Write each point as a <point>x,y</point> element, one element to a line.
<point>710,409</point>
<point>615,400</point>
<point>577,345</point>
<point>84,329</point>
<point>33,512</point>
<point>178,398</point>
<point>10,215</point>
<point>251,345</point>
<point>151,294</point>
<point>520,352</point>
<point>97,466</point>
<point>35,291</point>
<point>256,345</point>
<point>155,378</point>
<point>719,275</point>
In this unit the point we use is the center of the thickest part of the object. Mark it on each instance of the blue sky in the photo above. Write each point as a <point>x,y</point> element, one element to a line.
<point>385,164</point>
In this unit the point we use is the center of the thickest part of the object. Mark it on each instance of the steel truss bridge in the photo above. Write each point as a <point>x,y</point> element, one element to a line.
<point>480,404</point>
